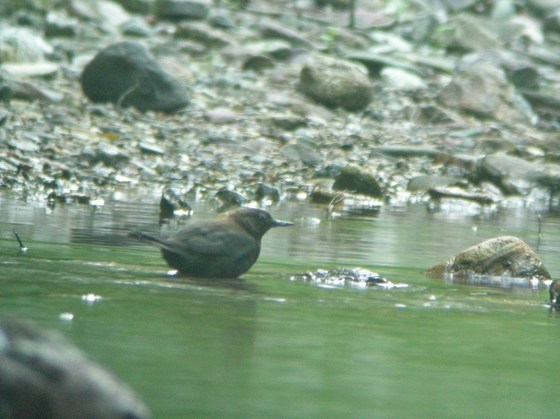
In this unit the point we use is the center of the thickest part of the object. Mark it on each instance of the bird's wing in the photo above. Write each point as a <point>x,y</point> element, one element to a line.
<point>214,241</point>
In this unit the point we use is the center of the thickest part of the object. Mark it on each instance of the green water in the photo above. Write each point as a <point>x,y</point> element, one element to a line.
<point>272,346</point>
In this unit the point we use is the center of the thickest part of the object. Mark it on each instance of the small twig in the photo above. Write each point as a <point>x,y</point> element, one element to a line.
<point>127,93</point>
<point>22,247</point>
<point>336,200</point>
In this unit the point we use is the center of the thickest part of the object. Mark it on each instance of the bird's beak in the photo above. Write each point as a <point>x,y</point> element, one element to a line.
<point>279,223</point>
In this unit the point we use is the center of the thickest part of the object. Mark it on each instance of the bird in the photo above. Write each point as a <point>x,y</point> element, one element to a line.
<point>224,247</point>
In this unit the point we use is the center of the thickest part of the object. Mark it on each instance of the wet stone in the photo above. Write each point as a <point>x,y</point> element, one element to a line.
<point>171,202</point>
<point>182,9</point>
<point>354,180</point>
<point>60,25</point>
<point>336,83</point>
<point>204,34</point>
<point>151,148</point>
<point>230,199</point>
<point>125,73</point>
<point>500,257</point>
<point>347,276</point>
<point>265,191</point>
<point>23,145</point>
<point>258,63</point>
<point>426,182</point>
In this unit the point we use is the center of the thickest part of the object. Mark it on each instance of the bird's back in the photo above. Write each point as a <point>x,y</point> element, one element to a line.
<point>212,249</point>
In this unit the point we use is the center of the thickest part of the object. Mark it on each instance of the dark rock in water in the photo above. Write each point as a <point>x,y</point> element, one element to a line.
<point>500,257</point>
<point>125,73</point>
<point>439,193</point>
<point>182,9</point>
<point>230,199</point>
<point>170,202</point>
<point>347,276</point>
<point>44,376</point>
<point>265,191</point>
<point>354,180</point>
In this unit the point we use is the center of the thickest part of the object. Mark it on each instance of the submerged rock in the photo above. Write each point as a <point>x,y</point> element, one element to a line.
<point>501,257</point>
<point>347,276</point>
<point>44,376</point>
<point>172,202</point>
<point>125,73</point>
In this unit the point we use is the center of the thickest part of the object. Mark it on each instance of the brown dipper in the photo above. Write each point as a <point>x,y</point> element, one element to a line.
<point>225,247</point>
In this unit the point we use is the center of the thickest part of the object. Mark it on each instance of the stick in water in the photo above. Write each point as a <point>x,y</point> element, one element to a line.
<point>22,247</point>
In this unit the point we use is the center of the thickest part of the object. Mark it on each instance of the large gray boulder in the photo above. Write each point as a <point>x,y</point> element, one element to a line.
<point>126,74</point>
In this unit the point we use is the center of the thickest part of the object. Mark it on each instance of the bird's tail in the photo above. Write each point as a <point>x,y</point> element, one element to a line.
<point>146,238</point>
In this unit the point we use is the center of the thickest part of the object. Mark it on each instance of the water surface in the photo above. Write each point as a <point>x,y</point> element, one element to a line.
<point>268,345</point>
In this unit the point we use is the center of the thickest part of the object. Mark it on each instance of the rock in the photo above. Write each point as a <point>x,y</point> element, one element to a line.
<point>359,277</point>
<point>136,27</point>
<point>270,29</point>
<point>25,70</point>
<point>286,122</point>
<point>150,147</point>
<point>172,202</point>
<point>106,13</point>
<point>518,69</point>
<point>21,45</point>
<point>354,180</point>
<point>484,90</point>
<point>505,256</point>
<point>107,154</point>
<point>375,63</point>
<point>470,33</point>
<point>424,183</point>
<point>230,199</point>
<point>336,83</point>
<point>514,175</point>
<point>338,4</point>
<point>257,63</point>
<point>265,191</point>
<point>397,79</point>
<point>204,34</point>
<point>221,116</point>
<point>126,74</point>
<point>222,21</point>
<point>450,192</point>
<point>43,375</point>
<point>406,151</point>
<point>544,6</point>
<point>57,24</point>
<point>301,152</point>
<point>277,49</point>
<point>182,9</point>
<point>13,89</point>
